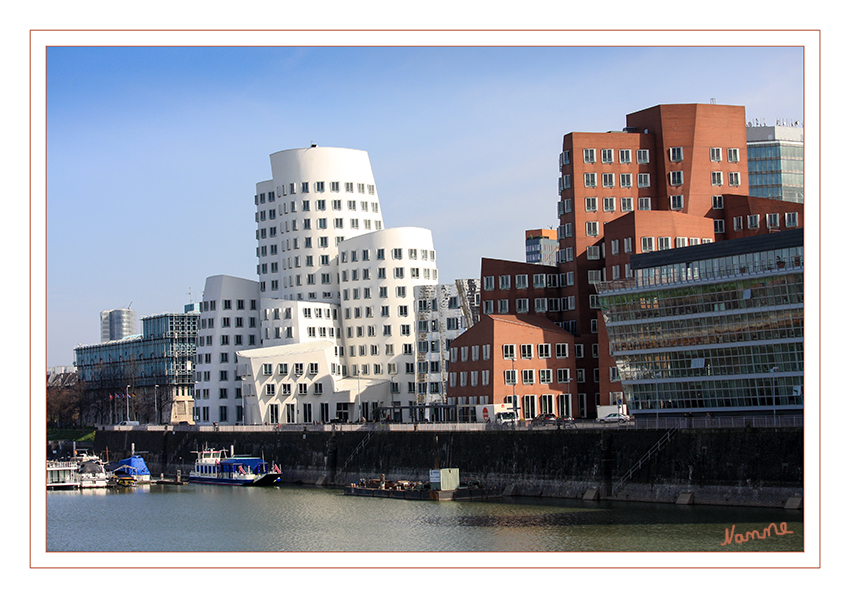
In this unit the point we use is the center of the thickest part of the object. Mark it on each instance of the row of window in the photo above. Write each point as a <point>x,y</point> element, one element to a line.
<point>228,304</point>
<point>381,273</point>
<point>317,187</point>
<point>676,179</point>
<point>607,156</point>
<point>529,376</point>
<point>539,281</point>
<point>238,322</point>
<point>624,156</point>
<point>321,224</point>
<point>319,205</point>
<point>397,253</point>
<point>544,351</point>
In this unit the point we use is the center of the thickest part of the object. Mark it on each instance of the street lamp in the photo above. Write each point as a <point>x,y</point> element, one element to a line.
<point>127,401</point>
<point>155,408</point>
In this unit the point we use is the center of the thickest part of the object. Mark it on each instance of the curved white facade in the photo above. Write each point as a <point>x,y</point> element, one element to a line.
<point>230,322</point>
<point>330,273</point>
<point>378,273</point>
<point>318,197</point>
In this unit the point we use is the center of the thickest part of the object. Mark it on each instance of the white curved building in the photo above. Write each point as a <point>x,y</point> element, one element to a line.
<point>330,273</point>
<point>230,321</point>
<point>317,197</point>
<point>378,273</point>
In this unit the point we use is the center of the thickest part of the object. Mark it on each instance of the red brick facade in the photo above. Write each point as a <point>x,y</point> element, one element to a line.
<point>674,177</point>
<point>540,354</point>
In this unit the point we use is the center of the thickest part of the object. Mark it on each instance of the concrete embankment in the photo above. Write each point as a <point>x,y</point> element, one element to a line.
<point>734,466</point>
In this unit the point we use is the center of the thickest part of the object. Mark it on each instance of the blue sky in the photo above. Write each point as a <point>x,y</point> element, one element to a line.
<point>153,153</point>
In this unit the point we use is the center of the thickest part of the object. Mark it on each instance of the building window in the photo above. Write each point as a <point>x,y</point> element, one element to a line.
<point>715,154</point>
<point>791,220</point>
<point>590,204</point>
<point>644,203</point>
<point>717,202</point>
<point>647,244</point>
<point>627,204</point>
<point>753,221</point>
<point>589,156</point>
<point>734,179</point>
<point>592,229</point>
<point>643,156</point>
<point>719,226</point>
<point>607,156</point>
<point>590,180</point>
<point>528,376</point>
<point>733,155</point>
<point>509,351</point>
<point>609,204</point>
<point>677,178</point>
<point>716,178</point>
<point>676,154</point>
<point>522,306</point>
<point>625,180</point>
<point>677,202</point>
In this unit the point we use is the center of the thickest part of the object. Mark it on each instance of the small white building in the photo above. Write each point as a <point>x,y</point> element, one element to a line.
<point>303,383</point>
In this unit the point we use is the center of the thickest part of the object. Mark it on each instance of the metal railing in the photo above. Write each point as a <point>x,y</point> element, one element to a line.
<point>720,421</point>
<point>642,423</point>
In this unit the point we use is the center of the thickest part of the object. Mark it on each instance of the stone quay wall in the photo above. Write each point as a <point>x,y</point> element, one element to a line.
<point>728,466</point>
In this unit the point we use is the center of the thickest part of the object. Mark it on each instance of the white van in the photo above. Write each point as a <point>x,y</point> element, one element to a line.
<point>129,423</point>
<point>506,417</point>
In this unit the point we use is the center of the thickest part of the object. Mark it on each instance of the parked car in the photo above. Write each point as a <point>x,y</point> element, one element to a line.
<point>614,418</point>
<point>506,418</point>
<point>545,419</point>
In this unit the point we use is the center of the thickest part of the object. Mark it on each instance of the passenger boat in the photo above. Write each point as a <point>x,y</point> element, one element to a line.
<point>213,466</point>
<point>62,475</point>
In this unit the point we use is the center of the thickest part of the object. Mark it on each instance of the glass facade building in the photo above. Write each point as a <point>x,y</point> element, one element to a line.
<point>775,158</point>
<point>147,377</point>
<point>716,328</point>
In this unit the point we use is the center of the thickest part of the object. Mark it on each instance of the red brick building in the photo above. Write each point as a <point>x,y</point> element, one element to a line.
<point>676,176</point>
<point>503,357</point>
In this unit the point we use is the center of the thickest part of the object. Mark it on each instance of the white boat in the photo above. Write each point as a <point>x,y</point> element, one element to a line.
<point>91,472</point>
<point>62,475</point>
<point>213,466</point>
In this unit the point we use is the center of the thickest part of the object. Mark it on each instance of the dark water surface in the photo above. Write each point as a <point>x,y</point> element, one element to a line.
<point>196,518</point>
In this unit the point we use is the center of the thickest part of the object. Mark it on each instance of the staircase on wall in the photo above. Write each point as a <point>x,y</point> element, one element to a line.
<point>634,468</point>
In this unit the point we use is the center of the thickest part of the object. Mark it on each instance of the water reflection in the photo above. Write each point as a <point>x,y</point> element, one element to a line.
<point>304,519</point>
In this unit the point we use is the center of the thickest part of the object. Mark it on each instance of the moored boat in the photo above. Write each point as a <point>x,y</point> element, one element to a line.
<point>62,475</point>
<point>91,472</point>
<point>213,466</point>
<point>135,466</point>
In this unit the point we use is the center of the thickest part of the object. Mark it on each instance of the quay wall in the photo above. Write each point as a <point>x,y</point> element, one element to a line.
<point>731,466</point>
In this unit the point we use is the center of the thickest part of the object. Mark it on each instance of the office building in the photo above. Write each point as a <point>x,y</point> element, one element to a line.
<point>541,246</point>
<point>230,321</point>
<point>522,363</point>
<point>776,160</point>
<point>147,377</point>
<point>711,329</point>
<point>330,272</point>
<point>675,176</point>
<point>116,324</point>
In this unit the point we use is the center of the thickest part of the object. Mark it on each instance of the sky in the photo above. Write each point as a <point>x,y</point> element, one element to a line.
<point>153,153</point>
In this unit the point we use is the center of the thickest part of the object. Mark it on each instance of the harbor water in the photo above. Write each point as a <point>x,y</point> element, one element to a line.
<point>200,518</point>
